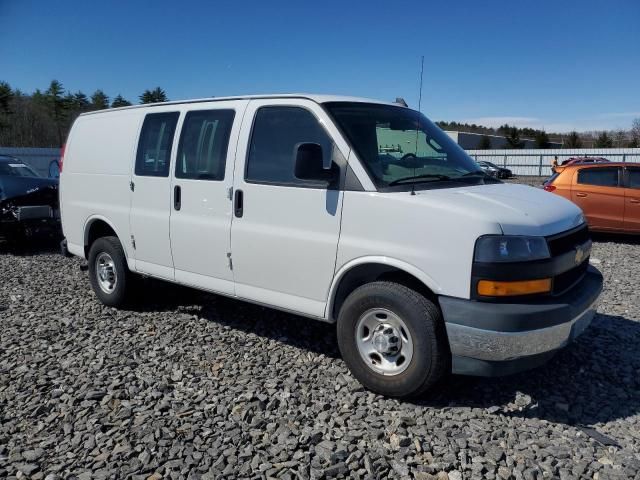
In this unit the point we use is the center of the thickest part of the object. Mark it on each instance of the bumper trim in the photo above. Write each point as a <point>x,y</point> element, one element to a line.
<point>490,345</point>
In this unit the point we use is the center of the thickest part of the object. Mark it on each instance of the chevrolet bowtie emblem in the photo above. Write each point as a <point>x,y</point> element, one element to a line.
<point>579,255</point>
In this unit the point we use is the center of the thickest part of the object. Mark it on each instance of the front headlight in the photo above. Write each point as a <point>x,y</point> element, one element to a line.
<point>510,248</point>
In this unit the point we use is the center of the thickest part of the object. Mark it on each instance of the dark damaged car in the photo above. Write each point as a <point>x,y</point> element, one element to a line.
<point>28,202</point>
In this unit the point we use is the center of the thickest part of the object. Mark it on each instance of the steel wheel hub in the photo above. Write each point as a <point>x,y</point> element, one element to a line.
<point>384,341</point>
<point>106,272</point>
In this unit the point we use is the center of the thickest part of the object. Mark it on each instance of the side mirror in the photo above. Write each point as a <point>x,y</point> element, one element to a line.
<point>310,165</point>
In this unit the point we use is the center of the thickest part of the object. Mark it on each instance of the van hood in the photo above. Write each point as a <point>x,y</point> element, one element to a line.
<point>518,209</point>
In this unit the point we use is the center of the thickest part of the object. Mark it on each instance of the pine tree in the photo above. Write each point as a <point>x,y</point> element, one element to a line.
<point>573,140</point>
<point>513,138</point>
<point>635,130</point>
<point>6,94</point>
<point>542,139</point>
<point>119,101</point>
<point>99,100</point>
<point>604,141</point>
<point>157,95</point>
<point>55,100</point>
<point>484,143</point>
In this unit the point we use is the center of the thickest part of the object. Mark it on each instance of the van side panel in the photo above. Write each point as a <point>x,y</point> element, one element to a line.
<point>96,174</point>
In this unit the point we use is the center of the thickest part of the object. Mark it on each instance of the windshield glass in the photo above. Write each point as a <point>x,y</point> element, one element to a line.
<point>400,146</point>
<point>16,169</point>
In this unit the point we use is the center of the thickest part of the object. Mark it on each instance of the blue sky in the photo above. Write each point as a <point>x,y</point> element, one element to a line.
<point>553,64</point>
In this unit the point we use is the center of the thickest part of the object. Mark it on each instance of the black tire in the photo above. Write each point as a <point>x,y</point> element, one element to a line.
<point>431,357</point>
<point>111,246</point>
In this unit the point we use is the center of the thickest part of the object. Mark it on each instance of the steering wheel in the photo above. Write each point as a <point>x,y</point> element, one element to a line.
<point>409,160</point>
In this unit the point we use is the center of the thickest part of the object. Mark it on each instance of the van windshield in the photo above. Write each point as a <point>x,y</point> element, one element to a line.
<point>400,147</point>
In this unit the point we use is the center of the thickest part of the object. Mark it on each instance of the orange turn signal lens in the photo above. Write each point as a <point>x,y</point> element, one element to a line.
<point>490,288</point>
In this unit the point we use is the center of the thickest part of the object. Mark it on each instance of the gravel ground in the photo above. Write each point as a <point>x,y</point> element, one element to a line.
<point>191,385</point>
<point>533,181</point>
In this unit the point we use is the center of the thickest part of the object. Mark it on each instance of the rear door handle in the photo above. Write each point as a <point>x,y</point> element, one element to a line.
<point>580,194</point>
<point>177,197</point>
<point>238,203</point>
<point>634,200</point>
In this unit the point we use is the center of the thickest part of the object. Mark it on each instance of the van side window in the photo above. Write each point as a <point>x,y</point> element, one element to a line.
<point>202,151</point>
<point>276,132</point>
<point>603,177</point>
<point>154,147</point>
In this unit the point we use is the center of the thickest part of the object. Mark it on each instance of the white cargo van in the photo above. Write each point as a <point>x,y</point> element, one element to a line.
<point>345,210</point>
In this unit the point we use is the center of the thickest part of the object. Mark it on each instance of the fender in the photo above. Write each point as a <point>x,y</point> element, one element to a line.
<point>381,260</point>
<point>87,224</point>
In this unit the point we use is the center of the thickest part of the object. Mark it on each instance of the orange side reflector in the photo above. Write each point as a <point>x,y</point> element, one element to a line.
<point>489,288</point>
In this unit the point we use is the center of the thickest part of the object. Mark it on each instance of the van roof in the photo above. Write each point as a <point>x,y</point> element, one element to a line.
<point>318,98</point>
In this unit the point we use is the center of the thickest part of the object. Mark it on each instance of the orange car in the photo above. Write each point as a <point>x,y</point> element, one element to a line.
<point>608,193</point>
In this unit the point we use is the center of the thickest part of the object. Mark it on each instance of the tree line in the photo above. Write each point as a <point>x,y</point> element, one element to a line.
<point>514,136</point>
<point>43,118</point>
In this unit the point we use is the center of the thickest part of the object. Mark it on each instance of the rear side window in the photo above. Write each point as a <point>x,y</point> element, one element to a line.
<point>603,177</point>
<point>550,180</point>
<point>276,132</point>
<point>634,177</point>
<point>202,151</point>
<point>154,147</point>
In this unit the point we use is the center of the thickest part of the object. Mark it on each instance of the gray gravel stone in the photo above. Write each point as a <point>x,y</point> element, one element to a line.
<point>189,385</point>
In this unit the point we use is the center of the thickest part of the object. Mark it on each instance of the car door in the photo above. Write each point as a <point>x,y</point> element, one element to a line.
<point>632,199</point>
<point>151,195</point>
<point>201,201</point>
<point>598,191</point>
<point>284,234</point>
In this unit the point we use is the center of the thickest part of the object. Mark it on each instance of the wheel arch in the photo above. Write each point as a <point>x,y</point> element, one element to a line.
<point>98,226</point>
<point>369,269</point>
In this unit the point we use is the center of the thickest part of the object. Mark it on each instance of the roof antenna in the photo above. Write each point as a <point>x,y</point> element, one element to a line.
<point>413,184</point>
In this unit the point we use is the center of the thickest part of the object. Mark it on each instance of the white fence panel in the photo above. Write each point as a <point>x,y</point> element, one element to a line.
<point>537,162</point>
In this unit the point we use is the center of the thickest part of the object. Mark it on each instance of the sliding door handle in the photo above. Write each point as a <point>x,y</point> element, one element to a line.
<point>580,194</point>
<point>238,203</point>
<point>634,200</point>
<point>177,197</point>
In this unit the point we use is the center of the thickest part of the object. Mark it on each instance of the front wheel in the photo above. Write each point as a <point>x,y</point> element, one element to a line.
<point>108,271</point>
<point>392,339</point>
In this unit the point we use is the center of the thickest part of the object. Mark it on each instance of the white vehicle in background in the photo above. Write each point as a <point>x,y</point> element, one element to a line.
<point>340,209</point>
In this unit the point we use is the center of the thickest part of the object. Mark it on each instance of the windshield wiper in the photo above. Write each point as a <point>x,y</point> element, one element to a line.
<point>418,178</point>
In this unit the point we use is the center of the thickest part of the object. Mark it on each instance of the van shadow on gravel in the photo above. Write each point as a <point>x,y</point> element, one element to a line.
<point>295,330</point>
<point>28,247</point>
<point>592,380</point>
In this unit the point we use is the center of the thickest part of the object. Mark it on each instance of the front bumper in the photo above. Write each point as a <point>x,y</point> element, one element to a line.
<point>491,339</point>
<point>17,221</point>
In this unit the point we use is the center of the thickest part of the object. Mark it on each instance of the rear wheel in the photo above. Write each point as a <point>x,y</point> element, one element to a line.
<point>108,271</point>
<point>392,339</point>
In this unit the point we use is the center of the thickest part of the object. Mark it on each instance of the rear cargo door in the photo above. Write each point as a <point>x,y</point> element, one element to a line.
<point>151,195</point>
